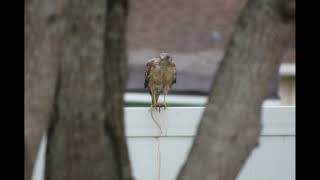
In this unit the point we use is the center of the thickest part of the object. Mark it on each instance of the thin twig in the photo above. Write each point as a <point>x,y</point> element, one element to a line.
<point>155,121</point>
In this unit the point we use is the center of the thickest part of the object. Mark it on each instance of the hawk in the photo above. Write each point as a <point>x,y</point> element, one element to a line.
<point>160,75</point>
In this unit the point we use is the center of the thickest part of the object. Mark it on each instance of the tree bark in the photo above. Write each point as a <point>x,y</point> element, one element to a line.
<point>230,126</point>
<point>40,76</point>
<point>80,46</point>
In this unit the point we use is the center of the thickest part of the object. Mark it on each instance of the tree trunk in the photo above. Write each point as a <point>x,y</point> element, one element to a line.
<point>40,76</point>
<point>80,48</point>
<point>230,126</point>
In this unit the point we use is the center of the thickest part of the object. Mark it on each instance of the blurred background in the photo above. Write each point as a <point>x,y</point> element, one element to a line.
<point>195,33</point>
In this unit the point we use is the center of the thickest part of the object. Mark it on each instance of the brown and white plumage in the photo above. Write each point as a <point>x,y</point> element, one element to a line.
<point>160,75</point>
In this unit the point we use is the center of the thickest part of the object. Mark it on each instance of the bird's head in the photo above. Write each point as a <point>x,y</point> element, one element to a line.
<point>165,59</point>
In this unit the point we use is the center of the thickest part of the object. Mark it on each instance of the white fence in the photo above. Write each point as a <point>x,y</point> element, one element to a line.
<point>157,155</point>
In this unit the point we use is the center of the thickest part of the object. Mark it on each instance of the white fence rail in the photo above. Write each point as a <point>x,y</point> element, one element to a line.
<point>158,155</point>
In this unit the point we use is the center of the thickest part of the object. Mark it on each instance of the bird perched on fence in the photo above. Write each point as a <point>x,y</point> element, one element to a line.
<point>160,75</point>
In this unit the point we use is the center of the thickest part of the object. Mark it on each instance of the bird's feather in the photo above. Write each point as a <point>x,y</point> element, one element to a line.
<point>150,64</point>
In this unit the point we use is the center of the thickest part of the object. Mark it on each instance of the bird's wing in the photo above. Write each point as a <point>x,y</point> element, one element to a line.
<point>150,64</point>
<point>174,80</point>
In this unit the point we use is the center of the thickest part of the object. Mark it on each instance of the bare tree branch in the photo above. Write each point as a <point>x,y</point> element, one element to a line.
<point>75,79</point>
<point>40,75</point>
<point>230,126</point>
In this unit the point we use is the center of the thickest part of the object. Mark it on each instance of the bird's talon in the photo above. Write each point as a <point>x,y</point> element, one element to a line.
<point>165,106</point>
<point>154,107</point>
